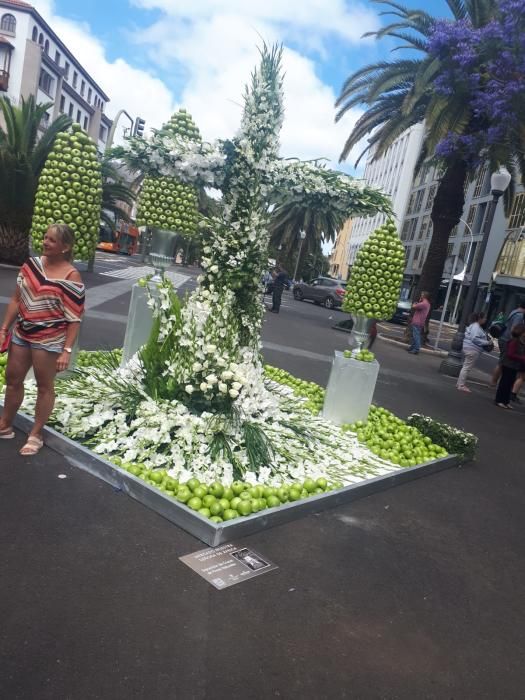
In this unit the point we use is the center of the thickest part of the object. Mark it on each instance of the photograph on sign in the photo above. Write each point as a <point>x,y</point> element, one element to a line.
<point>227,565</point>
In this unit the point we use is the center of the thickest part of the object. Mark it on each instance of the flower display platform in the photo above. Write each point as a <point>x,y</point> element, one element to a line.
<point>202,528</point>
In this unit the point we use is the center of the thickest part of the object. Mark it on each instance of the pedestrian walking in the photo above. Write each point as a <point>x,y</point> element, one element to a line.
<point>44,314</point>
<point>512,363</point>
<point>280,278</point>
<point>421,310</point>
<point>516,316</point>
<point>474,343</point>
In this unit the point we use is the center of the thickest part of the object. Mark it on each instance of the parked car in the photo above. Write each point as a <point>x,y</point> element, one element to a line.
<point>322,290</point>
<point>402,313</point>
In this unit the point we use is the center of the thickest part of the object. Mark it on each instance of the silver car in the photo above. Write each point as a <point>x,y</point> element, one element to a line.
<point>322,290</point>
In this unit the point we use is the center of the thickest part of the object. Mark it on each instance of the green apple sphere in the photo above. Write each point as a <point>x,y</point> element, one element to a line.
<point>165,202</point>
<point>70,192</point>
<point>377,274</point>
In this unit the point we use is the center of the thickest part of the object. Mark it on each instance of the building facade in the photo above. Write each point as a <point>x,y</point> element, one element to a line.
<point>392,173</point>
<point>338,257</point>
<point>34,61</point>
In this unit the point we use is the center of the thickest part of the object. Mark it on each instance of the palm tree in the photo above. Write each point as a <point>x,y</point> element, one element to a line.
<point>117,196</point>
<point>290,217</point>
<point>400,93</point>
<point>23,153</point>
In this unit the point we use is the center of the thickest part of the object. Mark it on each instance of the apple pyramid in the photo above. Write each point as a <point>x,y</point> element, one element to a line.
<point>70,192</point>
<point>165,202</point>
<point>376,276</point>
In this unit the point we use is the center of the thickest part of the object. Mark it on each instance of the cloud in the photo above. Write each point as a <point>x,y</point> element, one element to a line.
<point>201,55</point>
<point>213,45</point>
<point>137,91</point>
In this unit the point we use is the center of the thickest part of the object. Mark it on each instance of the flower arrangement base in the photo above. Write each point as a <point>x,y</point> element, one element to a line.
<point>204,529</point>
<point>140,319</point>
<point>350,389</point>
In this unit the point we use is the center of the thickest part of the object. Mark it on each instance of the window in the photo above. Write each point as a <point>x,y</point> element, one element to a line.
<point>419,200</point>
<point>471,214</point>
<point>8,24</point>
<point>411,203</point>
<point>430,198</point>
<point>79,116</point>
<point>82,87</point>
<point>34,35</point>
<point>450,248</point>
<point>85,123</point>
<point>102,134</point>
<point>424,227</point>
<point>75,79</point>
<point>517,215</point>
<point>70,110</point>
<point>57,57</point>
<point>66,70</point>
<point>41,39</point>
<point>45,82</point>
<point>62,104</point>
<point>416,260</point>
<point>45,120</point>
<point>46,46</point>
<point>90,92</point>
<point>479,188</point>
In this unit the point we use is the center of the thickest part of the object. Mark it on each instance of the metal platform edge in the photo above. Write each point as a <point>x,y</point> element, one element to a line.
<point>200,527</point>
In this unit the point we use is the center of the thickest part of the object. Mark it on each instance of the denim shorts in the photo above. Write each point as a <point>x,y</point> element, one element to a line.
<point>17,340</point>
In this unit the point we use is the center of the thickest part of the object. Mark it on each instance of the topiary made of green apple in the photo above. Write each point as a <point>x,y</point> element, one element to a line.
<point>377,274</point>
<point>165,202</point>
<point>70,192</point>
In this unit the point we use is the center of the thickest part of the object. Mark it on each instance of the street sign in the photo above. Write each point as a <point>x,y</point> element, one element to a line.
<point>228,564</point>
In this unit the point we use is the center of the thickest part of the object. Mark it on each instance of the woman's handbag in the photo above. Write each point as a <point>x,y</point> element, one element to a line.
<point>7,342</point>
<point>490,346</point>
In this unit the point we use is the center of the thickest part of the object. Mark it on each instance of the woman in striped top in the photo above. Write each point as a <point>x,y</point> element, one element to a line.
<point>45,312</point>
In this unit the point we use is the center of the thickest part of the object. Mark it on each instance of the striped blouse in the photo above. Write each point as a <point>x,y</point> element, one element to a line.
<point>46,306</point>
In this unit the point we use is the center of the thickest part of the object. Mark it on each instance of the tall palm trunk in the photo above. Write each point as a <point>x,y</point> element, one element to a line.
<point>14,244</point>
<point>446,213</point>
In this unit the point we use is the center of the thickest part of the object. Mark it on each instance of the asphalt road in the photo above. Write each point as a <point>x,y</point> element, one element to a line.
<point>412,593</point>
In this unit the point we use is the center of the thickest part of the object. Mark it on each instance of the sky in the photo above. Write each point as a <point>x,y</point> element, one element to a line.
<point>153,56</point>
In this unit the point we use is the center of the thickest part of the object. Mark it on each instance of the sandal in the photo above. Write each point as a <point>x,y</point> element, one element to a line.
<point>7,433</point>
<point>464,388</point>
<point>32,446</point>
<point>504,405</point>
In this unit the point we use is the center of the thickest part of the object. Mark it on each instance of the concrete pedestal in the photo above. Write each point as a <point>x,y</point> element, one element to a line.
<point>350,389</point>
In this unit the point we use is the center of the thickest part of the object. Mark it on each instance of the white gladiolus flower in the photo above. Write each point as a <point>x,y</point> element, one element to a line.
<point>211,348</point>
<point>196,367</point>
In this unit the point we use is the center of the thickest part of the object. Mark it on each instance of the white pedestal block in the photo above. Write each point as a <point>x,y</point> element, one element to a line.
<point>140,320</point>
<point>350,389</point>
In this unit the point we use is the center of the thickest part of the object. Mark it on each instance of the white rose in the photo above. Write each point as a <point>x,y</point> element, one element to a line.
<point>188,389</point>
<point>203,386</point>
<point>214,269</point>
<point>211,348</point>
<point>226,375</point>
<point>223,388</point>
<point>211,379</point>
<point>233,393</point>
<point>196,367</point>
<point>236,385</point>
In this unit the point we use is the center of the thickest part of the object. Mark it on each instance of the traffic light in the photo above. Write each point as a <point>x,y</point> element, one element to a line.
<point>138,128</point>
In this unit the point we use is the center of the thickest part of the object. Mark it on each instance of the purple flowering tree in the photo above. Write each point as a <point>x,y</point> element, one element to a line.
<point>464,77</point>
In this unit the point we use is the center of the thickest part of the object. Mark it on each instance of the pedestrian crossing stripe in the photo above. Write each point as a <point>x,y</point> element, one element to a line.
<point>137,272</point>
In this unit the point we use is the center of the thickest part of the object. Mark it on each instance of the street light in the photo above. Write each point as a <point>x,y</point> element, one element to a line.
<point>451,365</point>
<point>302,236</point>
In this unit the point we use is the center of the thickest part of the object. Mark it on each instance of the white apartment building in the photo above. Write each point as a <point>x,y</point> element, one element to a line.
<point>34,61</point>
<point>392,173</point>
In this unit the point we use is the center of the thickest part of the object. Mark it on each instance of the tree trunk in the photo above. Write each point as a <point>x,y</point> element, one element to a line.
<point>14,245</point>
<point>446,213</point>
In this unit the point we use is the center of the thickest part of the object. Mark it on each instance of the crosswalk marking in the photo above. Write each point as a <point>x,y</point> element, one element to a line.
<point>136,272</point>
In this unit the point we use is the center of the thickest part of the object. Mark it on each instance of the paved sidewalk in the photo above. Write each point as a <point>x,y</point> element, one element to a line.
<point>411,593</point>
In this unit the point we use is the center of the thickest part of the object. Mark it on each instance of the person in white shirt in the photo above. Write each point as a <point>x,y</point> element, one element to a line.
<point>474,343</point>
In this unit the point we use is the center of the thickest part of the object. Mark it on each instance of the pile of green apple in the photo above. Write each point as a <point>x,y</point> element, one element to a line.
<point>220,503</point>
<point>362,355</point>
<point>165,202</point>
<point>392,439</point>
<point>376,276</point>
<point>312,392</point>
<point>3,363</point>
<point>97,358</point>
<point>70,192</point>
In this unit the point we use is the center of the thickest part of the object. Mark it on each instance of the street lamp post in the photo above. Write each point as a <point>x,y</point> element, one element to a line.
<point>451,365</point>
<point>302,236</point>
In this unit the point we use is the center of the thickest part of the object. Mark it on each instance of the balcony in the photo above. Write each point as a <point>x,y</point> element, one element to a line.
<point>4,80</point>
